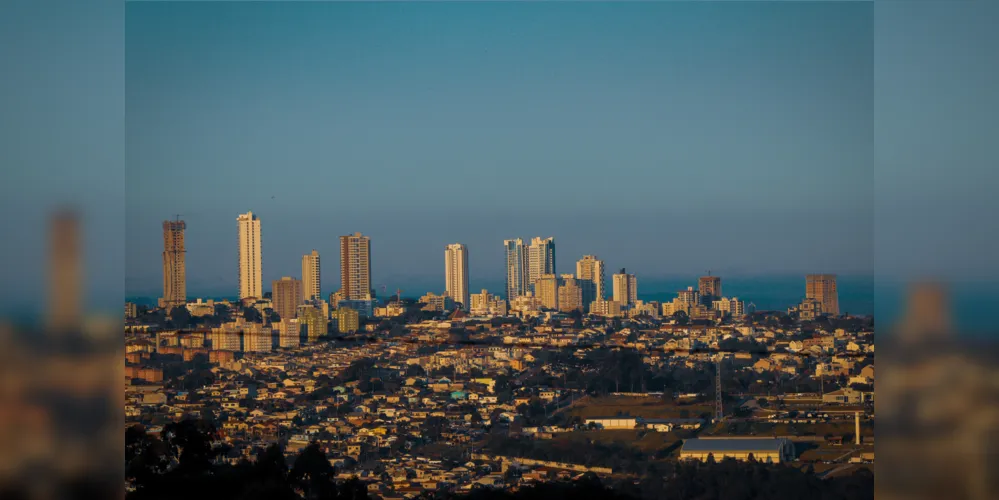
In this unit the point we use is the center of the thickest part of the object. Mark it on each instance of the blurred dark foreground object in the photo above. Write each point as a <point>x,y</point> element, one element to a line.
<point>937,406</point>
<point>62,391</point>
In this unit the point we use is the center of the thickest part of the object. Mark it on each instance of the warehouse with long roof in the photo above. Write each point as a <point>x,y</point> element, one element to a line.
<point>770,450</point>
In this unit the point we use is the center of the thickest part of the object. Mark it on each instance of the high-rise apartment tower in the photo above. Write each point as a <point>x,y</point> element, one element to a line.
<point>311,284</point>
<point>822,287</point>
<point>174,272</point>
<point>456,273</point>
<point>355,267</point>
<point>250,274</point>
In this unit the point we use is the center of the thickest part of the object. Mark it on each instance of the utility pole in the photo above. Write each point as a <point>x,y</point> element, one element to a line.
<point>719,410</point>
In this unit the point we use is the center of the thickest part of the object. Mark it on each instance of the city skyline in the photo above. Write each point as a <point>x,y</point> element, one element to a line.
<point>495,131</point>
<point>559,289</point>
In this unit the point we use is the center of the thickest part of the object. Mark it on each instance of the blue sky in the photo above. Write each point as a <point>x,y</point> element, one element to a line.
<point>667,138</point>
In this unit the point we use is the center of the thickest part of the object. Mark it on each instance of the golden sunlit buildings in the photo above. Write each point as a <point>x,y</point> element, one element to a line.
<point>570,293</point>
<point>822,288</point>
<point>250,275</point>
<point>547,290</point>
<point>591,269</point>
<point>286,295</point>
<point>311,285</point>
<point>174,273</point>
<point>456,273</point>
<point>314,321</point>
<point>355,267</point>
<point>347,320</point>
<point>540,259</point>
<point>486,304</point>
<point>625,288</point>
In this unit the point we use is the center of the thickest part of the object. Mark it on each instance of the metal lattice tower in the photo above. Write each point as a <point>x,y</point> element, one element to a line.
<point>719,411</point>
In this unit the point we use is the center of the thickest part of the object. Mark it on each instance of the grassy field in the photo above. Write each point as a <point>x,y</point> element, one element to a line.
<point>644,441</point>
<point>636,407</point>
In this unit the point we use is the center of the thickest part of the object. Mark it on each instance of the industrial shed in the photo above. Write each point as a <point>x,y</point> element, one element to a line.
<point>771,450</point>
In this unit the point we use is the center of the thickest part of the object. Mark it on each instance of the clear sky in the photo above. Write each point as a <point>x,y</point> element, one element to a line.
<point>667,138</point>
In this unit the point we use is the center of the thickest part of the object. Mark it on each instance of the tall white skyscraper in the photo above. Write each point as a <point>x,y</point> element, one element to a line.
<point>250,276</point>
<point>540,259</point>
<point>591,269</point>
<point>311,286</point>
<point>456,273</point>
<point>625,288</point>
<point>355,267</point>
<point>516,268</point>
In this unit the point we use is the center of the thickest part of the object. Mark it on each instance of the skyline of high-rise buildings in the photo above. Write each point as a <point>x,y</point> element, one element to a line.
<point>311,281</point>
<point>174,269</point>
<point>355,267</point>
<point>250,271</point>
<point>559,293</point>
<point>456,274</point>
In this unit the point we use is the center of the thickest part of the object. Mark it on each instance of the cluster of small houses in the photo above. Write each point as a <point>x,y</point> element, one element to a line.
<point>280,384</point>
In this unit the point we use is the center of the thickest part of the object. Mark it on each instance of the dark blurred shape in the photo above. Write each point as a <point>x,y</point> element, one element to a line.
<point>937,405</point>
<point>64,311</point>
<point>61,397</point>
<point>927,315</point>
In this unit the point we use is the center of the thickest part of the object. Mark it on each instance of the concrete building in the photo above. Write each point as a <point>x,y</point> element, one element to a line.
<point>625,288</point>
<point>526,305</point>
<point>612,422</point>
<point>313,320</point>
<point>456,274</point>
<point>642,308</point>
<point>355,267</point>
<point>570,294</point>
<point>516,268</point>
<point>608,308</point>
<point>591,269</point>
<point>311,284</point>
<point>767,450</point>
<point>729,307</point>
<point>546,288</point>
<point>347,320</point>
<point>250,274</point>
<point>822,287</point>
<point>286,295</point>
<point>487,304</point>
<point>540,259</point>
<point>131,310</point>
<point>174,271</point>
<point>688,298</point>
<point>709,288</point>
<point>809,309</point>
<point>434,302</point>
